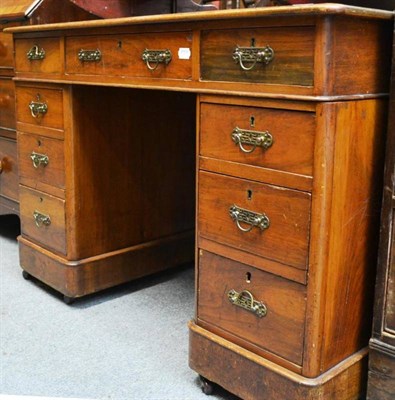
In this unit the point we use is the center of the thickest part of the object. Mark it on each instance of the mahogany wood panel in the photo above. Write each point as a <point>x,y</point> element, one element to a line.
<point>281,331</point>
<point>349,58</point>
<point>345,273</point>
<point>51,174</point>
<point>6,51</point>
<point>292,132</point>
<point>7,105</point>
<point>121,55</point>
<point>288,211</point>
<point>52,61</point>
<point>53,98</point>
<point>52,236</point>
<point>8,169</point>
<point>138,184</point>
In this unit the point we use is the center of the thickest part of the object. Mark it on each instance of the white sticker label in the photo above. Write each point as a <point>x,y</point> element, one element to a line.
<point>184,53</point>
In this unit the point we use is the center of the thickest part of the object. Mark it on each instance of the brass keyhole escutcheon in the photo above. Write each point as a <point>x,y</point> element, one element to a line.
<point>248,277</point>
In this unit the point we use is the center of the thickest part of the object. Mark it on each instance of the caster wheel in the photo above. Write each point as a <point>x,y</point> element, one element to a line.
<point>207,386</point>
<point>26,275</point>
<point>68,300</point>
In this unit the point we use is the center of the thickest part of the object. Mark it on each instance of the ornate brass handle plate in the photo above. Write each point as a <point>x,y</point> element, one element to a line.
<point>153,58</point>
<point>41,219</point>
<point>37,108</point>
<point>251,56</point>
<point>251,138</point>
<point>251,218</point>
<point>39,159</point>
<point>89,55</point>
<point>246,300</point>
<point>35,53</point>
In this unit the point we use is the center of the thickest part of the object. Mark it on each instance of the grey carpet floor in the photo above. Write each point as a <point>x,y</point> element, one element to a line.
<point>129,342</point>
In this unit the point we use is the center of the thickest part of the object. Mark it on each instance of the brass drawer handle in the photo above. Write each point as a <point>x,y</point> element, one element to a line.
<point>241,215</point>
<point>35,53</point>
<point>41,219</point>
<point>89,55</point>
<point>153,58</point>
<point>39,159</point>
<point>251,138</point>
<point>246,300</point>
<point>252,56</point>
<point>37,108</point>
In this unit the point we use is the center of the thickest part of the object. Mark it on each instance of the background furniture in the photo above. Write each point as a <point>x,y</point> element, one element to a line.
<point>381,384</point>
<point>19,13</point>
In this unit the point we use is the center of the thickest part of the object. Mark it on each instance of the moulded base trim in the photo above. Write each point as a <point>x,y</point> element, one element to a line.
<point>82,277</point>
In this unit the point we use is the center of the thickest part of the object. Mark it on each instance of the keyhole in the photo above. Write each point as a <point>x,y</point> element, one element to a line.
<point>249,194</point>
<point>119,44</point>
<point>252,120</point>
<point>252,42</point>
<point>41,199</point>
<point>39,143</point>
<point>248,277</point>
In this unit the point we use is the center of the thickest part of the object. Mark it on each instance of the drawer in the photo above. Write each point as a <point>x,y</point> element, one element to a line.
<point>282,215</point>
<point>47,106</point>
<point>278,323</point>
<point>122,55</point>
<point>262,137</point>
<point>40,55</point>
<point>8,169</point>
<point>41,159</point>
<point>292,49</point>
<point>7,103</point>
<point>43,219</point>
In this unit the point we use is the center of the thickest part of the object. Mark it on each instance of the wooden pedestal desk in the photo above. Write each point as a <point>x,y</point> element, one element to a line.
<point>289,105</point>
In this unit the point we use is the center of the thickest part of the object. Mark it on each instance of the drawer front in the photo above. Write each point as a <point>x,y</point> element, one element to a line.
<point>292,62</point>
<point>43,219</point>
<point>40,55</point>
<point>7,103</point>
<point>41,159</point>
<point>47,106</point>
<point>122,55</point>
<point>285,240</point>
<point>8,169</point>
<point>277,321</point>
<point>270,138</point>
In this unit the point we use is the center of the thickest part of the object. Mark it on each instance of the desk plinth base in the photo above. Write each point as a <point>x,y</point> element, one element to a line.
<point>79,278</point>
<point>249,376</point>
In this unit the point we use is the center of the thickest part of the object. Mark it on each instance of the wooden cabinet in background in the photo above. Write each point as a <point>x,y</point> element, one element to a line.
<point>18,13</point>
<point>381,382</point>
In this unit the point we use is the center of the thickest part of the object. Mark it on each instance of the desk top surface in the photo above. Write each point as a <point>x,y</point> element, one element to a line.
<point>300,10</point>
